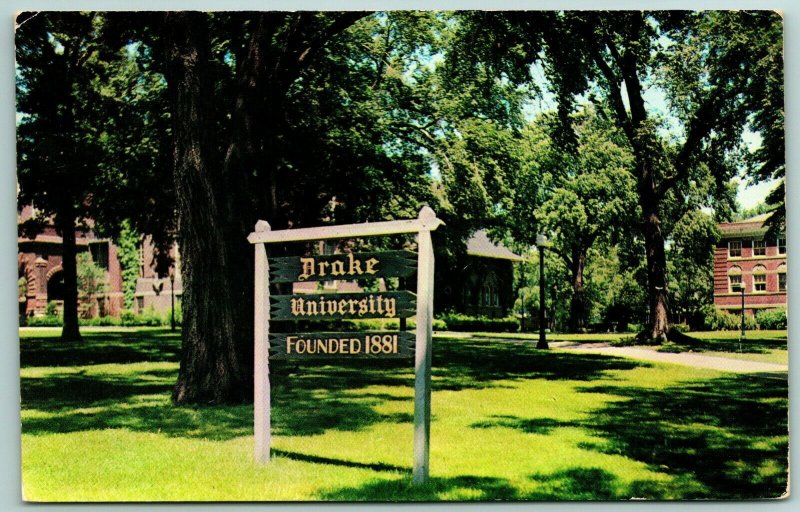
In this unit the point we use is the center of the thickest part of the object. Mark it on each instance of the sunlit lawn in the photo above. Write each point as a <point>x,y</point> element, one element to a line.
<point>509,422</point>
<point>761,346</point>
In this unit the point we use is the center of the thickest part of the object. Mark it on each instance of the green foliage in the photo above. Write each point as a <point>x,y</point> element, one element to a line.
<point>51,309</point>
<point>772,318</point>
<point>715,319</point>
<point>128,242</point>
<point>691,265</point>
<point>45,321</point>
<point>149,317</point>
<point>92,279</point>
<point>461,322</point>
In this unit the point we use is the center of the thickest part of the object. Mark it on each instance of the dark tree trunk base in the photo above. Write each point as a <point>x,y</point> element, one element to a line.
<point>673,336</point>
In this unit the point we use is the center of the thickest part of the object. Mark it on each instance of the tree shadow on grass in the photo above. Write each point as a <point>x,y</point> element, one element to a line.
<point>307,399</point>
<point>725,438</point>
<point>730,434</point>
<point>101,347</point>
<point>466,364</point>
<point>760,344</point>
<point>574,484</point>
<point>459,488</point>
<point>541,426</point>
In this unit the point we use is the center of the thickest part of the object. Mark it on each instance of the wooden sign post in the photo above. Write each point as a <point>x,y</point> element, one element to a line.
<point>398,304</point>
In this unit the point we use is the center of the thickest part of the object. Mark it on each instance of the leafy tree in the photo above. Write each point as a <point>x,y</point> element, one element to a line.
<point>706,64</point>
<point>692,265</point>
<point>577,196</point>
<point>58,153</point>
<point>288,120</point>
<point>92,282</point>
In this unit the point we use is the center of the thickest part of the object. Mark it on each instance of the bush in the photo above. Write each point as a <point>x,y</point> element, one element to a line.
<point>681,327</point>
<point>772,318</point>
<point>45,321</point>
<point>460,322</point>
<point>718,320</point>
<point>101,321</point>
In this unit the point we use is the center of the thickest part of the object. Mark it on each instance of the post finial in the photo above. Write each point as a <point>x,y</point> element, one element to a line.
<point>262,226</point>
<point>428,218</point>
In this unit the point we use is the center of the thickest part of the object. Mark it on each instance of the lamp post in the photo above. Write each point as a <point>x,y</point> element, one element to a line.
<point>522,296</point>
<point>541,243</point>
<point>741,287</point>
<point>172,299</point>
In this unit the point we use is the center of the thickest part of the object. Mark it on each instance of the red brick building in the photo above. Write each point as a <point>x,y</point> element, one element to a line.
<point>746,256</point>
<point>39,265</point>
<point>39,268</point>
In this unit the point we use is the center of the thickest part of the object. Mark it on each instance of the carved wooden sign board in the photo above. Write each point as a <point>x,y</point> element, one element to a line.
<point>330,306</point>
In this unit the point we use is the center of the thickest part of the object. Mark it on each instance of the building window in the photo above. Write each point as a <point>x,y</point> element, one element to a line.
<point>781,246</point>
<point>735,282</point>
<point>759,278</point>
<point>735,249</point>
<point>782,278</point>
<point>759,247</point>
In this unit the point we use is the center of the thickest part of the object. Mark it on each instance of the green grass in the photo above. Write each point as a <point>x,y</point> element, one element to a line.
<point>759,346</point>
<point>509,423</point>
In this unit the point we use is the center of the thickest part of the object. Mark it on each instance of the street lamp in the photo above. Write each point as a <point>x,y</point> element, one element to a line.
<point>541,243</point>
<point>741,287</point>
<point>522,296</point>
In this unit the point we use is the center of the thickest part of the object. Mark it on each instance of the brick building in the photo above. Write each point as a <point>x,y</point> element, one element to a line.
<point>39,267</point>
<point>746,256</point>
<point>480,282</point>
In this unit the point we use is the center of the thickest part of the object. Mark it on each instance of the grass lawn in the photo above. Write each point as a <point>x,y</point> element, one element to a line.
<point>760,346</point>
<point>509,423</point>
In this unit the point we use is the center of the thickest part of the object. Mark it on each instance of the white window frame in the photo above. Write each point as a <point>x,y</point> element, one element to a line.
<point>732,246</point>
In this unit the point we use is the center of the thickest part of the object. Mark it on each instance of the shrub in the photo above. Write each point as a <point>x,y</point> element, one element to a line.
<point>772,318</point>
<point>681,327</point>
<point>460,322</point>
<point>101,321</point>
<point>45,321</point>
<point>718,320</point>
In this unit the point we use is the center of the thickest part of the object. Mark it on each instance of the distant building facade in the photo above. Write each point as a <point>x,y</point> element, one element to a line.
<point>746,256</point>
<point>39,268</point>
<point>479,283</point>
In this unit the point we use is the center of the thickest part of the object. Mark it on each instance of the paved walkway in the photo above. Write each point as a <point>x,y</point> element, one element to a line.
<point>684,358</point>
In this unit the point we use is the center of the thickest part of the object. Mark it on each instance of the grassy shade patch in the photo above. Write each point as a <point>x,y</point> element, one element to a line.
<point>509,423</point>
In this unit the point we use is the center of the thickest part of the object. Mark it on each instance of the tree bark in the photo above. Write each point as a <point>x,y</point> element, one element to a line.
<point>577,306</point>
<point>66,222</point>
<point>658,303</point>
<point>215,367</point>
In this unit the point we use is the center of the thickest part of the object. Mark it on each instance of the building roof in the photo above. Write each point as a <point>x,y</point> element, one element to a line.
<point>480,245</point>
<point>752,227</point>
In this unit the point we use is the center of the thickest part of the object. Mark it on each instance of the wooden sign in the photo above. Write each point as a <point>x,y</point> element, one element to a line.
<point>329,306</point>
<point>342,266</point>
<point>399,304</point>
<point>330,345</point>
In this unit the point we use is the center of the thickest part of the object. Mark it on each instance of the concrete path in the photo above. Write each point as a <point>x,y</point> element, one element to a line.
<point>684,358</point>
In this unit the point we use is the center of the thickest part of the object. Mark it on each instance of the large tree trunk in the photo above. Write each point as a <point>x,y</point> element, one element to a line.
<point>577,306</point>
<point>66,222</point>
<point>658,306</point>
<point>216,359</point>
